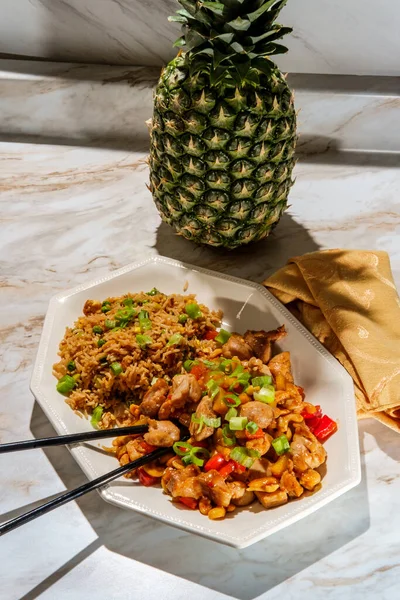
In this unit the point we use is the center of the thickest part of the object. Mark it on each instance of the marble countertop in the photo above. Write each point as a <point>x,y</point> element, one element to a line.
<point>68,214</point>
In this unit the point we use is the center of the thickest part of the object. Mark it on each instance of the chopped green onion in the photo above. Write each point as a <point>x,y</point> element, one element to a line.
<point>238,371</point>
<point>232,412</point>
<point>96,416</point>
<point>78,332</point>
<point>266,394</point>
<point>210,364</point>
<point>76,377</point>
<point>238,423</point>
<point>128,302</point>
<point>143,341</point>
<point>97,329</point>
<point>228,436</point>
<point>66,384</point>
<point>232,400</point>
<point>71,366</point>
<point>144,321</point>
<point>110,324</point>
<point>188,364</point>
<point>154,380</point>
<point>252,427</point>
<point>187,460</point>
<point>253,453</point>
<point>223,336</point>
<point>199,421</point>
<point>244,456</point>
<point>281,445</point>
<point>101,343</point>
<point>116,368</point>
<point>182,319</point>
<point>182,448</point>
<point>261,381</point>
<point>193,310</point>
<point>213,388</point>
<point>197,460</point>
<point>226,365</point>
<point>125,315</point>
<point>175,339</point>
<point>153,292</point>
<point>209,421</point>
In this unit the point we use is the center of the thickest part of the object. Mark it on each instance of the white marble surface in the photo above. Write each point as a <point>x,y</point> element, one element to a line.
<point>108,106</point>
<point>68,214</point>
<point>356,37</point>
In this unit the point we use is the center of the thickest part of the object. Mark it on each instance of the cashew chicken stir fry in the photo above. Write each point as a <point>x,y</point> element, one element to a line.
<point>254,437</point>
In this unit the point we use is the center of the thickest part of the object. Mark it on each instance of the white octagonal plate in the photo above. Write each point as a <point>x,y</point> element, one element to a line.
<point>246,305</point>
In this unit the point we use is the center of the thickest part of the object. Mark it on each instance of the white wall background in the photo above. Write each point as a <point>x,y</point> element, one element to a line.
<point>330,36</point>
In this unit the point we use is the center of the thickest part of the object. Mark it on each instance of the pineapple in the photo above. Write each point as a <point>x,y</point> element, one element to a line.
<point>223,132</point>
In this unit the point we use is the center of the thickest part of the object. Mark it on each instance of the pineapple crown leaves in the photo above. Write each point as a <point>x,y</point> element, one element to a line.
<point>230,39</point>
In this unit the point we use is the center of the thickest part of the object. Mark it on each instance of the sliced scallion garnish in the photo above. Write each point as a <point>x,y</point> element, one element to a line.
<point>223,336</point>
<point>193,310</point>
<point>96,416</point>
<point>266,394</point>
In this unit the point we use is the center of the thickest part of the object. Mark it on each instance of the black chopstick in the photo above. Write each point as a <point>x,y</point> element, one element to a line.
<point>73,438</point>
<point>80,491</point>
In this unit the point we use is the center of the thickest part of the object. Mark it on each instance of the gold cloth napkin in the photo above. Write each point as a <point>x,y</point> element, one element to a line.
<point>348,300</point>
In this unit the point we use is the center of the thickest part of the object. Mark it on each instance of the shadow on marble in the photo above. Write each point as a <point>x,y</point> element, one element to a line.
<point>243,574</point>
<point>254,261</point>
<point>139,142</point>
<point>383,437</point>
<point>322,150</point>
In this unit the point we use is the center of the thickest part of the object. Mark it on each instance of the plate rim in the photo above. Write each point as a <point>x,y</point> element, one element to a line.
<point>113,497</point>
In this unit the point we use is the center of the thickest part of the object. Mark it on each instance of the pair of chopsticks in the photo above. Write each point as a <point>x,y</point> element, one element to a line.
<point>86,487</point>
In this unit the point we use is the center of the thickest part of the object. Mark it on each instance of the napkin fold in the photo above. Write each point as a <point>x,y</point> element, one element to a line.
<point>348,300</point>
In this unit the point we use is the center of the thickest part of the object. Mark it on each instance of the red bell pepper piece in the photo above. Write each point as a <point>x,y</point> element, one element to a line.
<point>253,436</point>
<point>211,334</point>
<point>189,502</point>
<point>312,415</point>
<point>146,479</point>
<point>325,428</point>
<point>238,467</point>
<point>198,371</point>
<point>147,447</point>
<point>229,468</point>
<point>215,462</point>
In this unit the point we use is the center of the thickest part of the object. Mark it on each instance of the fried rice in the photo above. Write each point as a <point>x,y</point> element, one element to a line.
<point>111,333</point>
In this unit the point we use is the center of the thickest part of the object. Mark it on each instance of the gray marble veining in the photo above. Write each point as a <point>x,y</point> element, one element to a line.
<point>70,102</point>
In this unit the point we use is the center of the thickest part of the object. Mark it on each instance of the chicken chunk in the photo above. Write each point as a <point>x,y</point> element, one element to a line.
<point>154,398</point>
<point>183,482</point>
<point>162,433</point>
<point>200,431</point>
<point>306,450</point>
<point>289,484</point>
<point>260,341</point>
<point>272,499</point>
<point>237,346</point>
<point>280,364</point>
<point>259,412</point>
<point>185,388</point>
<point>215,488</point>
<point>240,495</point>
